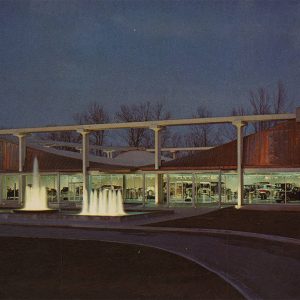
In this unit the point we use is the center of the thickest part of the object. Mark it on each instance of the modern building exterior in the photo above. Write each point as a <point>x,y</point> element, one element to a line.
<point>259,168</point>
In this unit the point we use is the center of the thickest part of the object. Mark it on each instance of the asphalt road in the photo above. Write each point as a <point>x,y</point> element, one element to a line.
<point>258,269</point>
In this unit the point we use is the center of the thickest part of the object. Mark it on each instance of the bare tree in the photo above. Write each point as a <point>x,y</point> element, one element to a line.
<point>262,103</point>
<point>133,113</point>
<point>227,132</point>
<point>280,101</point>
<point>239,111</point>
<point>141,137</point>
<point>95,114</point>
<point>201,135</point>
<point>62,136</point>
<point>158,112</point>
<point>175,140</point>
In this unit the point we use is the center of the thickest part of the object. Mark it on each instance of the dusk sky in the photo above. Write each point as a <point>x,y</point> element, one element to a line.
<point>58,56</point>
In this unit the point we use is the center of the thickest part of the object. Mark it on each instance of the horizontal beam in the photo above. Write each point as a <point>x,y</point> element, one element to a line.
<point>173,149</point>
<point>150,124</point>
<point>47,143</point>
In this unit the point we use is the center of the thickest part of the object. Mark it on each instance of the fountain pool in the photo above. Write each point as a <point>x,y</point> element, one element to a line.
<point>36,195</point>
<point>108,202</point>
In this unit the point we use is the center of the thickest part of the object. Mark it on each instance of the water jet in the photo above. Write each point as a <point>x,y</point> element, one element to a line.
<point>36,195</point>
<point>108,202</point>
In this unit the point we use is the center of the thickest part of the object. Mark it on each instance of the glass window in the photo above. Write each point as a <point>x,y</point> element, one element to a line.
<point>47,181</point>
<point>10,187</point>
<point>229,188</point>
<point>292,190</point>
<point>150,188</point>
<point>133,188</point>
<point>181,188</point>
<point>100,182</point>
<point>50,182</point>
<point>207,188</point>
<point>71,188</point>
<point>277,187</point>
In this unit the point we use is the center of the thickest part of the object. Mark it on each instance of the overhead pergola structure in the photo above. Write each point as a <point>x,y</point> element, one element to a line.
<point>109,150</point>
<point>238,121</point>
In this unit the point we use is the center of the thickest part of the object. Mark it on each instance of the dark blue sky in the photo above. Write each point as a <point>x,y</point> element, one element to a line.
<point>58,56</point>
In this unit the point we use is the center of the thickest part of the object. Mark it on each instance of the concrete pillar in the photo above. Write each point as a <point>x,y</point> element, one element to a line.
<point>220,188</point>
<point>22,150</point>
<point>124,188</point>
<point>144,189</point>
<point>174,154</point>
<point>157,163</point>
<point>22,156</point>
<point>85,165</point>
<point>108,153</point>
<point>157,146</point>
<point>240,173</point>
<point>58,189</point>
<point>168,190</point>
<point>193,190</point>
<point>159,199</point>
<point>1,187</point>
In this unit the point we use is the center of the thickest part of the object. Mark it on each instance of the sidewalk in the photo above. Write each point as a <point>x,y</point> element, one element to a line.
<point>259,266</point>
<point>259,269</point>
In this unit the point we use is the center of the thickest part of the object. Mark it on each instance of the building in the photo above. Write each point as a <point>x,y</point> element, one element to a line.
<point>260,168</point>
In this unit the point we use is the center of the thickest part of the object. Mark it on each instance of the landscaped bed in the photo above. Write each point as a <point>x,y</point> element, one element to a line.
<point>69,269</point>
<point>283,223</point>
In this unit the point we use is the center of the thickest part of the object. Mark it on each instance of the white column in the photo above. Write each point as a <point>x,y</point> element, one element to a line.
<point>220,188</point>
<point>174,154</point>
<point>157,146</point>
<point>85,165</point>
<point>108,153</point>
<point>193,190</point>
<point>158,189</point>
<point>157,163</point>
<point>22,156</point>
<point>168,190</point>
<point>144,189</point>
<point>124,188</point>
<point>240,173</point>
<point>22,150</point>
<point>1,187</point>
<point>58,189</point>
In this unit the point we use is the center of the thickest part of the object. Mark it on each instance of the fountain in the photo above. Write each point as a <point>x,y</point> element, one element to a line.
<point>36,195</point>
<point>106,205</point>
<point>108,202</point>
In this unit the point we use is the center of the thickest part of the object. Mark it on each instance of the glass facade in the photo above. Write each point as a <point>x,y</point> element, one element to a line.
<point>49,182</point>
<point>133,185</point>
<point>207,188</point>
<point>100,182</point>
<point>275,187</point>
<point>197,189</point>
<point>149,188</point>
<point>71,190</point>
<point>229,188</point>
<point>10,187</point>
<point>180,188</point>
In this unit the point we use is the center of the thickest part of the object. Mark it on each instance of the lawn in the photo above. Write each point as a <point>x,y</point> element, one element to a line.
<point>283,223</point>
<point>78,269</point>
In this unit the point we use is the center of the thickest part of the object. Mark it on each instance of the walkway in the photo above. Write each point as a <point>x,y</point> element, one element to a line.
<point>259,269</point>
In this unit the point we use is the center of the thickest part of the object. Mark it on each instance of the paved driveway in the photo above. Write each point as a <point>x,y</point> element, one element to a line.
<point>259,269</point>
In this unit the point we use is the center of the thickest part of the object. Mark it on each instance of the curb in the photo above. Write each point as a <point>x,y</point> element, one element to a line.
<point>267,237</point>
